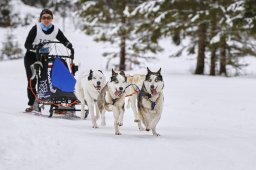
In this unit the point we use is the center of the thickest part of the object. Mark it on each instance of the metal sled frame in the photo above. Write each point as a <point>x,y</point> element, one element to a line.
<point>57,103</point>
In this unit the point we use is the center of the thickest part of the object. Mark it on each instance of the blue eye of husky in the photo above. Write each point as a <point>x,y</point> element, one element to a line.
<point>156,80</point>
<point>94,77</point>
<point>116,81</point>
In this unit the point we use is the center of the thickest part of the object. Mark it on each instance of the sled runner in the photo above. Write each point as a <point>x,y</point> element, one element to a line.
<point>55,78</point>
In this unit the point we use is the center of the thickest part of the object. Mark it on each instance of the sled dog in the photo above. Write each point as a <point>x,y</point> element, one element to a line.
<point>112,98</point>
<point>150,100</point>
<point>87,90</point>
<point>132,91</point>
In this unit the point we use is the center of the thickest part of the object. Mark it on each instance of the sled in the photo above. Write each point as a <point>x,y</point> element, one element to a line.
<point>55,73</point>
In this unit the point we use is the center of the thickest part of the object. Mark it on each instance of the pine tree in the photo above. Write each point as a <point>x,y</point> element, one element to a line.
<point>5,13</point>
<point>218,28</point>
<point>112,21</point>
<point>179,19</point>
<point>10,49</point>
<point>37,3</point>
<point>63,7</point>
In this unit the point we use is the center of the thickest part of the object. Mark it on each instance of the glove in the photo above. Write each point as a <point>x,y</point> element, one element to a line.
<point>38,46</point>
<point>69,46</point>
<point>34,68</point>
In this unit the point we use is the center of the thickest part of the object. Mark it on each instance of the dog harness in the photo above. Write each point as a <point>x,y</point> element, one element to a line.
<point>153,104</point>
<point>114,100</point>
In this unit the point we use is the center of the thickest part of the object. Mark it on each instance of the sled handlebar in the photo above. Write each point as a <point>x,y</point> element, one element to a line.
<point>55,42</point>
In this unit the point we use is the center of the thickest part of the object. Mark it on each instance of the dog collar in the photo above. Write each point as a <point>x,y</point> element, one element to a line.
<point>142,93</point>
<point>113,101</point>
<point>148,95</point>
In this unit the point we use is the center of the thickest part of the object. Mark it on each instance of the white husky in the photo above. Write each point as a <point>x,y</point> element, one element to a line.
<point>87,90</point>
<point>136,82</point>
<point>112,98</point>
<point>150,100</point>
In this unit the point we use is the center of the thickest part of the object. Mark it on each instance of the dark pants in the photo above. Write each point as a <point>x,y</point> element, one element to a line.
<point>29,59</point>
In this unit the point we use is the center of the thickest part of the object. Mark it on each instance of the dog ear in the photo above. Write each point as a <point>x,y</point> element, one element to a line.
<point>149,70</point>
<point>159,71</point>
<point>123,74</point>
<point>90,75</point>
<point>112,78</point>
<point>100,71</point>
<point>113,72</point>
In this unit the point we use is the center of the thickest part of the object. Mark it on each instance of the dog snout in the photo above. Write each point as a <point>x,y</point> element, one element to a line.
<point>152,86</point>
<point>121,88</point>
<point>98,83</point>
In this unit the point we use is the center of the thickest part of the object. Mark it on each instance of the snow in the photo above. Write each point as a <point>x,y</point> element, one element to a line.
<point>162,16</point>
<point>208,123</point>
<point>216,38</point>
<point>147,7</point>
<point>195,18</point>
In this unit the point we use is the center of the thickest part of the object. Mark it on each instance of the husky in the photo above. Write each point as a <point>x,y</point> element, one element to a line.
<point>112,98</point>
<point>136,82</point>
<point>150,100</point>
<point>87,90</point>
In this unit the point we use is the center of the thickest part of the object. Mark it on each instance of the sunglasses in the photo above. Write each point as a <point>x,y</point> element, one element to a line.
<point>46,18</point>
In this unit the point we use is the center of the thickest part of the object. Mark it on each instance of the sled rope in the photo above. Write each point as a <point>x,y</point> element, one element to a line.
<point>135,88</point>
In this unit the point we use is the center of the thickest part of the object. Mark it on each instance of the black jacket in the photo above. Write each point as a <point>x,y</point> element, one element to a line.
<point>32,35</point>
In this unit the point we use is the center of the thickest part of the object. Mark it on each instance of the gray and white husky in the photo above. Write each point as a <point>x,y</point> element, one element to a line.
<point>112,98</point>
<point>150,100</point>
<point>87,90</point>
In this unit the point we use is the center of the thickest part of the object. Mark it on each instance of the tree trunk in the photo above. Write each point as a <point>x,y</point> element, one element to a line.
<point>213,46</point>
<point>223,58</point>
<point>122,53</point>
<point>201,48</point>
<point>122,45</point>
<point>213,60</point>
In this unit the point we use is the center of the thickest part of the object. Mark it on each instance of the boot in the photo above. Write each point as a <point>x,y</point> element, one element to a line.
<point>29,109</point>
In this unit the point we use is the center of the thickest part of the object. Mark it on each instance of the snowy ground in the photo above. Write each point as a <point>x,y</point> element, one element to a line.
<point>208,123</point>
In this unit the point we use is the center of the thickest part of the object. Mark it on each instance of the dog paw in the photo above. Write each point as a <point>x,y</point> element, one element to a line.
<point>147,129</point>
<point>95,126</point>
<point>141,128</point>
<point>118,133</point>
<point>82,116</point>
<point>156,134</point>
